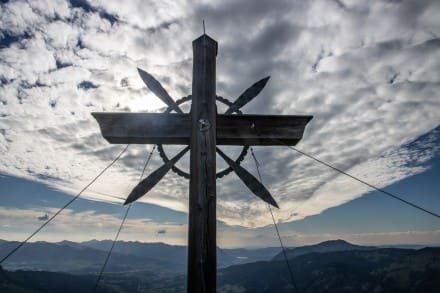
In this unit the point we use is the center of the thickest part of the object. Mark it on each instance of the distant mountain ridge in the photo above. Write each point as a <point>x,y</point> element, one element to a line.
<point>171,253</point>
<point>62,257</point>
<point>88,256</point>
<point>326,246</point>
<point>352,268</point>
<point>156,250</point>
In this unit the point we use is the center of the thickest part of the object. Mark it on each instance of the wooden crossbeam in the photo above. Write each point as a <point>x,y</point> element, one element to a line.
<point>158,128</point>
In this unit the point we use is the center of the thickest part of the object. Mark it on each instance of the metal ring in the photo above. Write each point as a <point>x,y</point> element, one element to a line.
<point>220,174</point>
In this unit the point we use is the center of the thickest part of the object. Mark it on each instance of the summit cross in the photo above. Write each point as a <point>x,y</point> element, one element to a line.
<point>202,130</point>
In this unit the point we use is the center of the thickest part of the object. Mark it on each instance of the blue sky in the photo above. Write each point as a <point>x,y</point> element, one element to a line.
<point>368,71</point>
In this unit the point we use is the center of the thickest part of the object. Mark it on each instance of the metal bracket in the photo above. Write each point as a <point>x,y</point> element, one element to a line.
<point>204,125</point>
<point>220,174</point>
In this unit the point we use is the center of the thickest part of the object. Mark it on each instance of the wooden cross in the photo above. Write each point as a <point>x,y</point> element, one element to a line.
<point>202,129</point>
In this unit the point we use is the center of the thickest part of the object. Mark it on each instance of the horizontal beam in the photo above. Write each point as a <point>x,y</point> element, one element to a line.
<point>158,128</point>
<point>144,128</point>
<point>260,129</point>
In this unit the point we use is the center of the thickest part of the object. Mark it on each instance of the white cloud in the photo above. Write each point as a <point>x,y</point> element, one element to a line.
<point>389,238</point>
<point>17,224</point>
<point>368,72</point>
<point>253,238</point>
<point>70,224</point>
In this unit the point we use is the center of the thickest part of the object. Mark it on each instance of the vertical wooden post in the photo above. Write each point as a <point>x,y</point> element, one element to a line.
<point>202,259</point>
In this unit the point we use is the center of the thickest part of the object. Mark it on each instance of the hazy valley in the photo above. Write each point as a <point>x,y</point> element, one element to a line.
<point>331,266</point>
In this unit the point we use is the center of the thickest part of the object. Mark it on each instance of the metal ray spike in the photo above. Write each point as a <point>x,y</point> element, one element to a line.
<point>248,95</point>
<point>251,182</point>
<point>158,90</point>
<point>148,183</point>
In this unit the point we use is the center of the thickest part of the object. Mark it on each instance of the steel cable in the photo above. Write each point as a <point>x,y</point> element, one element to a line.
<point>120,226</point>
<point>286,259</point>
<point>65,206</point>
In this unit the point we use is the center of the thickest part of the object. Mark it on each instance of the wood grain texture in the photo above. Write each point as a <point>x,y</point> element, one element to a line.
<point>202,256</point>
<point>156,128</point>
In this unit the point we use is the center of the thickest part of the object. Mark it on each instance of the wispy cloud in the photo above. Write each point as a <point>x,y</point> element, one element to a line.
<point>17,224</point>
<point>260,238</point>
<point>43,218</point>
<point>367,71</point>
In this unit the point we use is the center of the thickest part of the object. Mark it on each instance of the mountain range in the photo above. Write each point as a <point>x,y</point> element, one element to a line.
<point>371,270</point>
<point>326,246</point>
<point>331,266</point>
<point>88,256</point>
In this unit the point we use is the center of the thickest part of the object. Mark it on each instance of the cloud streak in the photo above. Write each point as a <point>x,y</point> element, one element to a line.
<point>70,225</point>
